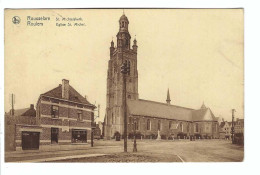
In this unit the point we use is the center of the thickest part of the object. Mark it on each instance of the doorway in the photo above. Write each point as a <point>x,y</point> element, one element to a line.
<point>54,135</point>
<point>30,140</point>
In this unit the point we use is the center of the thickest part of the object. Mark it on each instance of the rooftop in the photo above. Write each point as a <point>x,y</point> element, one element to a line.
<point>163,110</point>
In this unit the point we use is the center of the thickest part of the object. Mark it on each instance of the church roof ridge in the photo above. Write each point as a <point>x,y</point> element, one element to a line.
<point>166,104</point>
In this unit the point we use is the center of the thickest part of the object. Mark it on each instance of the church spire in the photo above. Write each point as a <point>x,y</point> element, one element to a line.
<point>203,106</point>
<point>168,100</point>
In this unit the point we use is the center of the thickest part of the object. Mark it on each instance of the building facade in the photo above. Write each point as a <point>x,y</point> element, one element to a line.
<point>65,116</point>
<point>123,51</point>
<point>147,117</point>
<point>20,127</point>
<point>239,126</point>
<point>62,116</point>
<point>225,130</point>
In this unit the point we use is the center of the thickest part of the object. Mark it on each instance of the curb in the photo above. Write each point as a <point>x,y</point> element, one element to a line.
<point>180,158</point>
<point>59,158</point>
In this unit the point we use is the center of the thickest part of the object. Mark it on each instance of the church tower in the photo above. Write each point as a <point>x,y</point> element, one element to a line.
<point>114,120</point>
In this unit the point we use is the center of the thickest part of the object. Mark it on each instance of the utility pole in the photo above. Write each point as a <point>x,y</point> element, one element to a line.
<point>92,131</point>
<point>232,128</point>
<point>92,127</point>
<point>125,68</point>
<point>135,145</point>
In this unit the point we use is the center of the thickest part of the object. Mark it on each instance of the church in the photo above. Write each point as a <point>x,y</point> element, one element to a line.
<point>147,119</point>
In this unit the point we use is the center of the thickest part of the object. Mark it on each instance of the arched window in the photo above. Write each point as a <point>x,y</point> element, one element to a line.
<point>129,96</point>
<point>197,127</point>
<point>112,118</point>
<point>148,127</point>
<point>181,127</point>
<point>130,120</point>
<point>136,124</point>
<point>159,125</point>
<point>129,63</point>
<point>170,124</point>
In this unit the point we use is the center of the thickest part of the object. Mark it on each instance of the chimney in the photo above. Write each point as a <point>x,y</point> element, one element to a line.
<point>31,106</point>
<point>65,89</point>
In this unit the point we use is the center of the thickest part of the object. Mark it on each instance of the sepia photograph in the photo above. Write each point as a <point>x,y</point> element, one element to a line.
<point>123,85</point>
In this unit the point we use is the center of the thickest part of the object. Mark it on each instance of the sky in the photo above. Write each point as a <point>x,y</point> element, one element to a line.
<point>196,53</point>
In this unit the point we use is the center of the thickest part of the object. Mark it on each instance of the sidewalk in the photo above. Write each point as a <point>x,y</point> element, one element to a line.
<point>50,148</point>
<point>60,158</point>
<point>60,152</point>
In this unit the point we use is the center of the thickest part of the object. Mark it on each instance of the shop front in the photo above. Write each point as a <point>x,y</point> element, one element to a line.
<point>79,136</point>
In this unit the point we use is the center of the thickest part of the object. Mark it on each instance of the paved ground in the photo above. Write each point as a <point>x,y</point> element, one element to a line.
<point>148,151</point>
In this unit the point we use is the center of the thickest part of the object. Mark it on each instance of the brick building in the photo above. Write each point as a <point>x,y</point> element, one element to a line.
<point>148,117</point>
<point>65,116</point>
<point>19,125</point>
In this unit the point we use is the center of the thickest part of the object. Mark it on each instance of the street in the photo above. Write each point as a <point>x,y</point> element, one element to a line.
<point>148,151</point>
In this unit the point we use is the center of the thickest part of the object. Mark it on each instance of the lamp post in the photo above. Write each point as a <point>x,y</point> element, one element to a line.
<point>232,128</point>
<point>125,69</point>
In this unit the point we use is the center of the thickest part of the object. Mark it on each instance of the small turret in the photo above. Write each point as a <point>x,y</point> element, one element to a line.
<point>112,48</point>
<point>135,45</point>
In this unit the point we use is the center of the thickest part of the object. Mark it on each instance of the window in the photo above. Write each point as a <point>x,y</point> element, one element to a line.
<point>80,116</point>
<point>148,124</point>
<point>170,124</point>
<point>159,125</point>
<point>130,120</point>
<point>136,124</point>
<point>188,127</point>
<point>112,118</point>
<point>129,97</point>
<point>129,64</point>
<point>79,136</point>
<point>181,127</point>
<point>197,127</point>
<point>54,111</point>
<point>216,127</point>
